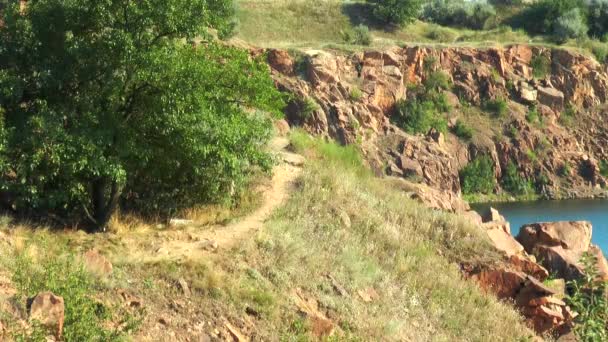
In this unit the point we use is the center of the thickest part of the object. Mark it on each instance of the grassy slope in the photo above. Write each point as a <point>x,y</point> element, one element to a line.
<point>321,23</point>
<point>406,252</point>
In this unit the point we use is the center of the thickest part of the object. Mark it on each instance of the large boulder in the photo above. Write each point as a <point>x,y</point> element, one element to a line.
<point>49,310</point>
<point>281,61</point>
<point>561,245</point>
<point>574,236</point>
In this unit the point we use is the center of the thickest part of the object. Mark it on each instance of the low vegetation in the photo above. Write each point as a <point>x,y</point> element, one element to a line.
<point>462,130</point>
<point>426,105</point>
<point>516,184</point>
<point>588,298</point>
<point>478,176</point>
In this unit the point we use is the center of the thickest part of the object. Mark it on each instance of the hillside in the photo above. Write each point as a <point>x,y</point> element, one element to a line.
<point>297,171</point>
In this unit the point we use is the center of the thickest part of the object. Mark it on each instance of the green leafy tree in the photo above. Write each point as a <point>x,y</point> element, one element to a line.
<point>397,12</point>
<point>108,103</point>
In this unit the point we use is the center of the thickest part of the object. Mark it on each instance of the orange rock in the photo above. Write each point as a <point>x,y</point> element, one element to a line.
<point>49,310</point>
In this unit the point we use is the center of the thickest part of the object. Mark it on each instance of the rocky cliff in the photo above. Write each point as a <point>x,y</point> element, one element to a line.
<point>355,95</point>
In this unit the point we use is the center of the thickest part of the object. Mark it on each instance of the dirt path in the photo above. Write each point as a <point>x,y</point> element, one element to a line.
<point>192,243</point>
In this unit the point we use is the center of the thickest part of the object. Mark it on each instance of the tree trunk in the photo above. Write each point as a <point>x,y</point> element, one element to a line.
<point>103,208</point>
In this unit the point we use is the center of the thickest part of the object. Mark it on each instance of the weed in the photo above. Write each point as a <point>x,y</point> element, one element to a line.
<point>462,130</point>
<point>588,299</point>
<point>355,94</point>
<point>497,106</point>
<point>541,66</point>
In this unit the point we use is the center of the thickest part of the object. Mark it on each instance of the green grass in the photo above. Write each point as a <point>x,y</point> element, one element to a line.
<point>318,24</point>
<point>403,250</point>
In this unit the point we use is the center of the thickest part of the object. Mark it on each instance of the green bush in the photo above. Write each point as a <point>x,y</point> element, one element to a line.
<point>397,12</point>
<point>470,14</point>
<point>463,131</point>
<point>514,183</point>
<point>541,66</point>
<point>355,94</point>
<point>418,116</point>
<point>567,116</point>
<point>587,297</point>
<point>99,114</point>
<point>600,51</point>
<point>604,168</point>
<point>478,176</point>
<point>361,35</point>
<point>497,106</point>
<point>436,81</point>
<point>541,17</point>
<point>308,107</point>
<point>533,116</point>
<point>570,25</point>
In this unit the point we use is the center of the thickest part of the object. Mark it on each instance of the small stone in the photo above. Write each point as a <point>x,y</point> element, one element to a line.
<point>164,321</point>
<point>368,295</point>
<point>180,222</point>
<point>345,219</point>
<point>183,284</point>
<point>49,310</point>
<point>209,245</point>
<point>97,264</point>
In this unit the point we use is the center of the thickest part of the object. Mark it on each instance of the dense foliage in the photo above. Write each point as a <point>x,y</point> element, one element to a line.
<point>470,14</point>
<point>425,106</point>
<point>514,183</point>
<point>397,12</point>
<point>478,176</point>
<point>107,103</point>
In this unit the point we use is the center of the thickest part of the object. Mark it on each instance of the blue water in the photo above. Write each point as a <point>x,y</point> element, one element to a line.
<point>520,213</point>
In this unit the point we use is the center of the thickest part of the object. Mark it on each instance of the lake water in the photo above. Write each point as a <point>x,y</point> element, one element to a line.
<point>520,213</point>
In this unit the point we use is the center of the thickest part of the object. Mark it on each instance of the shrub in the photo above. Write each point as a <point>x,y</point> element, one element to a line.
<point>418,116</point>
<point>570,25</point>
<point>600,51</point>
<point>532,156</point>
<point>541,66</point>
<point>463,131</point>
<point>567,116</point>
<point>532,116</point>
<point>588,298</point>
<point>566,169</point>
<point>597,18</point>
<point>478,176</point>
<point>541,16</point>
<point>361,35</point>
<point>604,168</point>
<point>514,183</point>
<point>469,14</point>
<point>436,81</point>
<point>397,12</point>
<point>355,94</point>
<point>307,108</point>
<point>497,106</point>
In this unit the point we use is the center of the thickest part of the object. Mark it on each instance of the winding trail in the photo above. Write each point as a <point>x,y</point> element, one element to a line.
<point>192,243</point>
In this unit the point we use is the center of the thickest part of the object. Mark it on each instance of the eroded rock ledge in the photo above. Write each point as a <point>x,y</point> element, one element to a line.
<point>568,156</point>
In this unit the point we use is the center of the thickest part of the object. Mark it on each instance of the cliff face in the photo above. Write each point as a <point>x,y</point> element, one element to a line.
<point>356,94</point>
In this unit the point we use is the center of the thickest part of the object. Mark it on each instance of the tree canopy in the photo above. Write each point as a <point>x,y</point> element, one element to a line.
<point>109,103</point>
